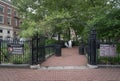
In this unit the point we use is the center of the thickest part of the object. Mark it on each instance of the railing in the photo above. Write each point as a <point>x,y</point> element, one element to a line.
<point>22,52</point>
<point>15,52</point>
<point>108,53</point>
<point>49,50</point>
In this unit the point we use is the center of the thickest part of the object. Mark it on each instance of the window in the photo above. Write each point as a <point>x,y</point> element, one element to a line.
<point>1,9</point>
<point>9,11</point>
<point>1,19</point>
<point>9,21</point>
<point>15,13</point>
<point>7,37</point>
<point>1,31</point>
<point>8,32</point>
<point>15,22</point>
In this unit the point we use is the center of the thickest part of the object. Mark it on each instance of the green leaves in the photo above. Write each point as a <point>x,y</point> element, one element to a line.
<point>108,25</point>
<point>57,16</point>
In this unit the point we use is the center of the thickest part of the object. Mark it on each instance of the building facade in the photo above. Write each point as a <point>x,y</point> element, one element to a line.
<point>9,20</point>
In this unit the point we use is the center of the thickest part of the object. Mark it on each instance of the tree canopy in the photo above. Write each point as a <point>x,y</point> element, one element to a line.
<point>51,16</point>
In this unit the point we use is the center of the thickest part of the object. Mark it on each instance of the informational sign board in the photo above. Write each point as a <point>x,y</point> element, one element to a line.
<point>15,48</point>
<point>107,50</point>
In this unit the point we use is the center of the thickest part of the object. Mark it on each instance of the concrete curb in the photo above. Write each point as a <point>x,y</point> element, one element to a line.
<point>34,66</point>
<point>92,66</point>
<point>64,67</point>
<point>58,67</point>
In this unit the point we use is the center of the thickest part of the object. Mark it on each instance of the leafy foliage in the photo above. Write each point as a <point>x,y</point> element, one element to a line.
<point>57,16</point>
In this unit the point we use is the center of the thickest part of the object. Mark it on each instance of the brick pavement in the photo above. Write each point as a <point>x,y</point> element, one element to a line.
<point>101,74</point>
<point>70,57</point>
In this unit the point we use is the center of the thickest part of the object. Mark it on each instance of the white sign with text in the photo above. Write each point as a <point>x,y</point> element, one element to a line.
<point>107,50</point>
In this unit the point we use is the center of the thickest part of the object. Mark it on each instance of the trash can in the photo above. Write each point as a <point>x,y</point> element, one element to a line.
<point>58,50</point>
<point>81,49</point>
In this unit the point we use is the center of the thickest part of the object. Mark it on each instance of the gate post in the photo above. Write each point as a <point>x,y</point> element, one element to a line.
<point>34,50</point>
<point>38,49</point>
<point>92,47</point>
<point>32,53</point>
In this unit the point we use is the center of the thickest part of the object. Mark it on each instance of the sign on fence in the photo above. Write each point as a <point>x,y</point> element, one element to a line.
<point>107,50</point>
<point>15,48</point>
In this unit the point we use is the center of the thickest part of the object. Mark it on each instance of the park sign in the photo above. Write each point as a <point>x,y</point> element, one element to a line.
<point>15,48</point>
<point>107,50</point>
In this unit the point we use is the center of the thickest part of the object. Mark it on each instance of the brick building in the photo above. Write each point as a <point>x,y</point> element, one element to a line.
<point>9,20</point>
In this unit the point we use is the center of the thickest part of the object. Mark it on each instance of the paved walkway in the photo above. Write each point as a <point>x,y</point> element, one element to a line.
<point>67,59</point>
<point>70,57</point>
<point>101,74</point>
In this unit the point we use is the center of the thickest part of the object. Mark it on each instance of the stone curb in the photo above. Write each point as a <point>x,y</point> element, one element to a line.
<point>62,67</point>
<point>92,66</point>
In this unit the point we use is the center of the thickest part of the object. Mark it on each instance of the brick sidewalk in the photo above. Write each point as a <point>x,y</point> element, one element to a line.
<point>106,74</point>
<point>70,57</point>
<point>100,74</point>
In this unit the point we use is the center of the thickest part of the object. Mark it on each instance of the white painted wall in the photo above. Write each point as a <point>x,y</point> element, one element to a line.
<point>5,30</point>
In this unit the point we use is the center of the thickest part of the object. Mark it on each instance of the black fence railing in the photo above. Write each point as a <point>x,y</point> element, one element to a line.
<point>49,50</point>
<point>23,52</point>
<point>39,51</point>
<point>103,52</point>
<point>108,52</point>
<point>15,52</point>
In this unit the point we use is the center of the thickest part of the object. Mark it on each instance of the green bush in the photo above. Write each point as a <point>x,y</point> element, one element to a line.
<point>17,61</point>
<point>118,47</point>
<point>75,43</point>
<point>50,41</point>
<point>109,60</point>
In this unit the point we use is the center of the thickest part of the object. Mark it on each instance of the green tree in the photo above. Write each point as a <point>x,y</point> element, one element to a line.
<point>107,20</point>
<point>56,16</point>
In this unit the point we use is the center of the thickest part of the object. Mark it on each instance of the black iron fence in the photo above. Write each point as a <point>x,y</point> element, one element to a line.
<point>108,52</point>
<point>103,52</point>
<point>15,52</point>
<point>24,52</point>
<point>49,51</point>
<point>39,51</point>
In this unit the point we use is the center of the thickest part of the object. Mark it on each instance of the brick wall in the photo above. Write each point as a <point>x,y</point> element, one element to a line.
<point>12,16</point>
